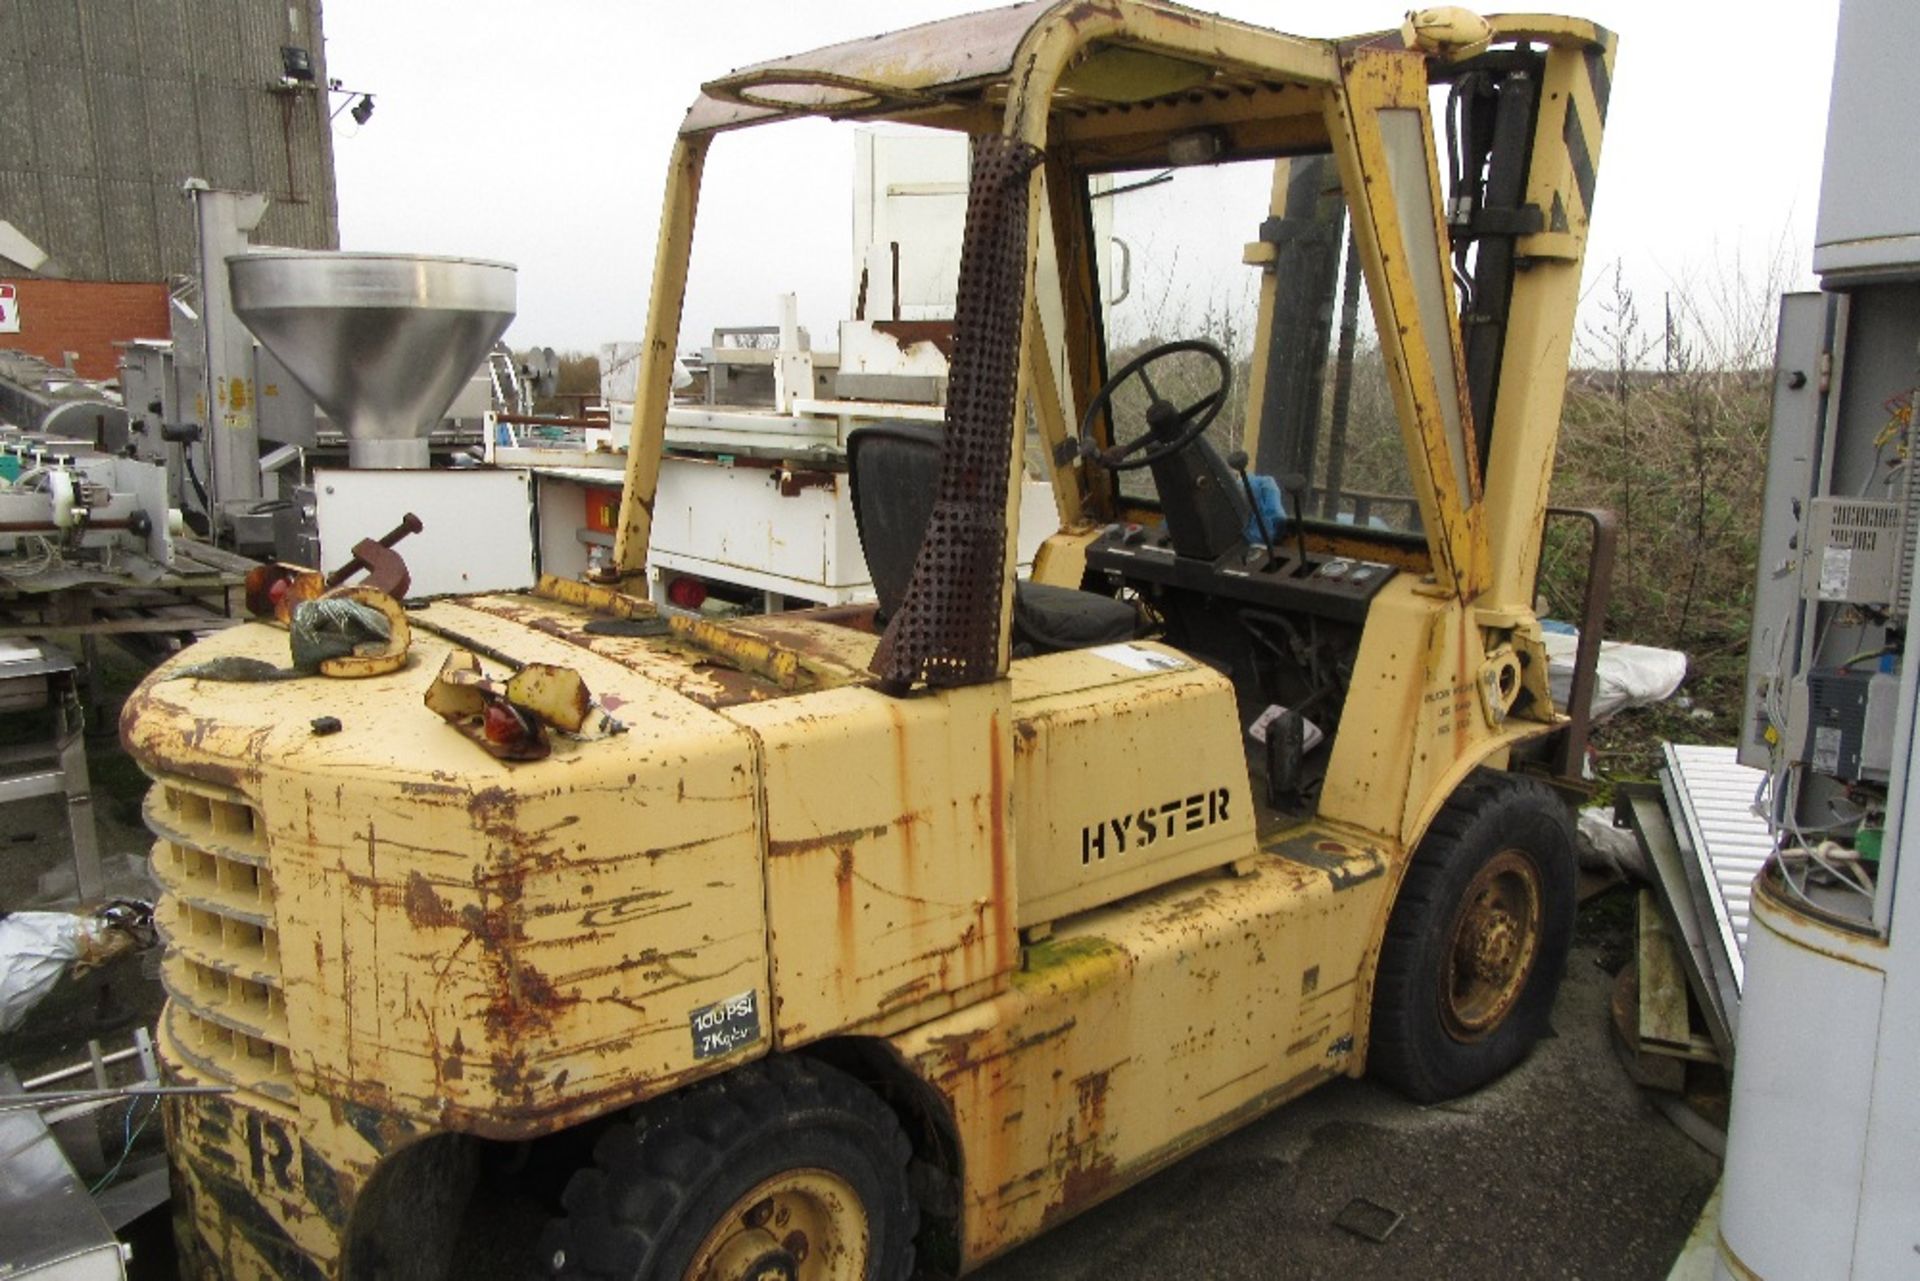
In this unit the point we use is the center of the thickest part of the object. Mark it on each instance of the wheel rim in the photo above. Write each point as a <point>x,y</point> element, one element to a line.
<point>1492,946</point>
<point>798,1225</point>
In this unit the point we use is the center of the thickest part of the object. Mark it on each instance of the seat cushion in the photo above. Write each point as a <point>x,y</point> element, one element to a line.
<point>1050,619</point>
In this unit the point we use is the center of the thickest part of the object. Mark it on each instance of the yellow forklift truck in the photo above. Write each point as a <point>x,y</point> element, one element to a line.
<point>890,936</point>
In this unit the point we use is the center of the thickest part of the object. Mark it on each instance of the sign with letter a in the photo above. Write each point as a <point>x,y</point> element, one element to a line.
<point>9,309</point>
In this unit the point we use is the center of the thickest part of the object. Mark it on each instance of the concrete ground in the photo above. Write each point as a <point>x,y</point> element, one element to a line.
<point>1563,1169</point>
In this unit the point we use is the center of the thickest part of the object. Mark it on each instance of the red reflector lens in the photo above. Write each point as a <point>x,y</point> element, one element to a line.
<point>687,593</point>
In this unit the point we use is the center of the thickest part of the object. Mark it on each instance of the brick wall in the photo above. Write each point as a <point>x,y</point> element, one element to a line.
<point>85,316</point>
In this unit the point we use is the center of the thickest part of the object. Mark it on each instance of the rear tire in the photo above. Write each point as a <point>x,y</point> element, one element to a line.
<point>782,1170</point>
<point>1477,942</point>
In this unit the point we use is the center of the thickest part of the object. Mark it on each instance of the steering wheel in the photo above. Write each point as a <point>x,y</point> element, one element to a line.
<point>1170,428</point>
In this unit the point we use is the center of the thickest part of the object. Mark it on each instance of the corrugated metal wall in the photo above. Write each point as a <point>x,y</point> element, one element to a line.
<point>108,106</point>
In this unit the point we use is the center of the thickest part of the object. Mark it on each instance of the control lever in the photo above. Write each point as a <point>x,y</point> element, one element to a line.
<point>1238,461</point>
<point>1295,486</point>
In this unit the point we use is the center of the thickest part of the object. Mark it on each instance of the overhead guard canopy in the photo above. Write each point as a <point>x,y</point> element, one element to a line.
<point>953,63</point>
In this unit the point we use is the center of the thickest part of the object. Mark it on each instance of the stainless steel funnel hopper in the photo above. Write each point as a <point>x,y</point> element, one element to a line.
<point>382,342</point>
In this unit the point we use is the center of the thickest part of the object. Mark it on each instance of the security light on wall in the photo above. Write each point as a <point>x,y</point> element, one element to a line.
<point>296,64</point>
<point>355,103</point>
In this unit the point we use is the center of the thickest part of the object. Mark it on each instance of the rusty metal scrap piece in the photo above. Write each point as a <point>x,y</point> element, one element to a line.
<point>755,655</point>
<point>466,699</point>
<point>510,718</point>
<point>334,628</point>
<point>383,566</point>
<point>354,632</point>
<point>592,596</point>
<point>946,632</point>
<point>556,695</point>
<point>267,587</point>
<point>233,667</point>
<point>275,587</point>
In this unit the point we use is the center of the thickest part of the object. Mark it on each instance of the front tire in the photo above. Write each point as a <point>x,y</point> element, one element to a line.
<point>782,1170</point>
<point>1477,942</point>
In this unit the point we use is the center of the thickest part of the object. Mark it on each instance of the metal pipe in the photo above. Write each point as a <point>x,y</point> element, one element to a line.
<point>80,1069</point>
<point>1593,618</point>
<point>70,1098</point>
<point>1343,386</point>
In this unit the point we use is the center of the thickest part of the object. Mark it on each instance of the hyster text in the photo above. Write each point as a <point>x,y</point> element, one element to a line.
<point>1143,827</point>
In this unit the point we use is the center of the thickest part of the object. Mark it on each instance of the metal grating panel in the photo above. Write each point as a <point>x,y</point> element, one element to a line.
<point>227,1011</point>
<point>946,632</point>
<point>1724,840</point>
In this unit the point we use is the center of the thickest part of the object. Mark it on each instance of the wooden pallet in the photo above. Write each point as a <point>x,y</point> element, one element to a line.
<point>1652,1012</point>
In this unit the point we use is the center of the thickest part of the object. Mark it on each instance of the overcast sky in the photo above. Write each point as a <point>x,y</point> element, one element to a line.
<point>539,134</point>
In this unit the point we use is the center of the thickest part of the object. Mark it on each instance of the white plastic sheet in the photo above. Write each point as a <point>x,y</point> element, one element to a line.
<point>35,950</point>
<point>1626,676</point>
<point>1602,847</point>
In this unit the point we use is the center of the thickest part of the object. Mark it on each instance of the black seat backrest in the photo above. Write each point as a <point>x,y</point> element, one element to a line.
<point>894,471</point>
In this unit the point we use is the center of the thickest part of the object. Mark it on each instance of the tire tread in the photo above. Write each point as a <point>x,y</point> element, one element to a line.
<point>1404,1050</point>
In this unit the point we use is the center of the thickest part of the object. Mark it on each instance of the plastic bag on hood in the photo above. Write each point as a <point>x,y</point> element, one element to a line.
<point>36,948</point>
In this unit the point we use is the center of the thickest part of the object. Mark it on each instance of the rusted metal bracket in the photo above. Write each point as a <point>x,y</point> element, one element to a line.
<point>510,718</point>
<point>385,570</point>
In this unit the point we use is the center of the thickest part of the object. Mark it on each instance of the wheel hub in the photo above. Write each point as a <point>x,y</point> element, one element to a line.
<point>1495,937</point>
<point>799,1225</point>
<point>1490,942</point>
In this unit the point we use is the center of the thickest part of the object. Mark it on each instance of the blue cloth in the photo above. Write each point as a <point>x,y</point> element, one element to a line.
<point>1269,506</point>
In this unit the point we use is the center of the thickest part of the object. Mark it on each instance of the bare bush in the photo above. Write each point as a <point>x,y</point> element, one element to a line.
<point>1667,426</point>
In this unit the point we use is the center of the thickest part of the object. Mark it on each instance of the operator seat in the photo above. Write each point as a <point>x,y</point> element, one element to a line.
<point>894,471</point>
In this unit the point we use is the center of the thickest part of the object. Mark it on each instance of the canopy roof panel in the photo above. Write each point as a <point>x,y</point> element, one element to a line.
<point>956,60</point>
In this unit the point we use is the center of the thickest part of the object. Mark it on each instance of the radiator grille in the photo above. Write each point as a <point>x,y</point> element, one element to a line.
<point>222,970</point>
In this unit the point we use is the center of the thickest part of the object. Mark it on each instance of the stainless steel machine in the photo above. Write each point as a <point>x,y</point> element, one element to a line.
<point>384,343</point>
<point>237,428</point>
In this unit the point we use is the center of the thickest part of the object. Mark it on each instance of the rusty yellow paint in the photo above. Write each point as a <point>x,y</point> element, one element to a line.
<point>594,597</point>
<point>1140,1032</point>
<point>654,381</point>
<point>1425,367</point>
<point>749,653</point>
<point>1062,558</point>
<point>876,921</point>
<point>465,926</point>
<point>1413,727</point>
<point>1096,816</point>
<point>1540,325</point>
